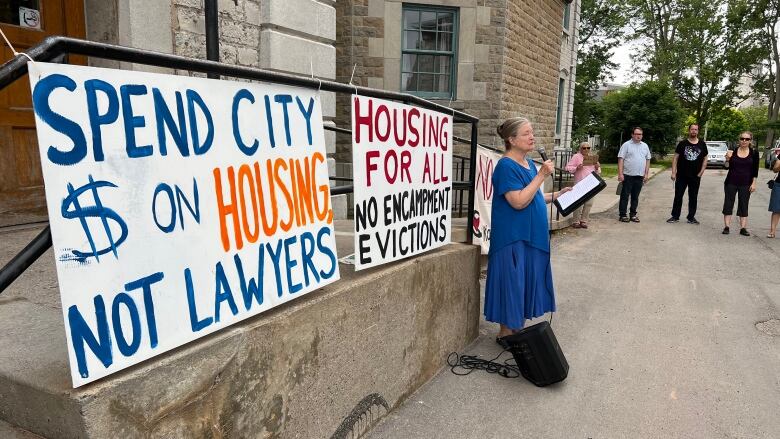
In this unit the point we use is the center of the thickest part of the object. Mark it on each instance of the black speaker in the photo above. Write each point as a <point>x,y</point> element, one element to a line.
<point>538,355</point>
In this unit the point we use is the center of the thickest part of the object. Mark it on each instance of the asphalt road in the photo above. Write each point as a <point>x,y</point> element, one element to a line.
<point>670,331</point>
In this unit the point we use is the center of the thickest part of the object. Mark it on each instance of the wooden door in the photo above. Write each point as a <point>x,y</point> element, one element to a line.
<point>26,23</point>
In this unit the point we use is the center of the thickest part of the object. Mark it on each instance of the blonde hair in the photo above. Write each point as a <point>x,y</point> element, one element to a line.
<point>509,128</point>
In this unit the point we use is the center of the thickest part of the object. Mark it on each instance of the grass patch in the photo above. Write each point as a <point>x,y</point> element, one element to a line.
<point>609,170</point>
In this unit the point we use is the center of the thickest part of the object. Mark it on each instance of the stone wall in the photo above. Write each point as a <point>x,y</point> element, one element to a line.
<point>296,371</point>
<point>531,61</point>
<point>509,52</point>
<point>291,36</point>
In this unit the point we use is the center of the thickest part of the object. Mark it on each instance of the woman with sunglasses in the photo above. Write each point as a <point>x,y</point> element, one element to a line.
<point>740,182</point>
<point>577,166</point>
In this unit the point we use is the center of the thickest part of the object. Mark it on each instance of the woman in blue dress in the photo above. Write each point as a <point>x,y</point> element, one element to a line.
<point>519,276</point>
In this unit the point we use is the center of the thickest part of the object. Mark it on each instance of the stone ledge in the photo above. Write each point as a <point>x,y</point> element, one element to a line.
<point>295,371</point>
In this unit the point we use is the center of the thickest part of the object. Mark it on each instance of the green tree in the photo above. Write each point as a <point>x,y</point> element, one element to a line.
<point>767,15</point>
<point>701,47</point>
<point>602,25</point>
<point>652,105</point>
<point>757,120</point>
<point>726,125</point>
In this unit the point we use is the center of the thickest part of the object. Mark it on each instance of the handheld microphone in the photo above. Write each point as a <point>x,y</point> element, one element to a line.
<point>542,153</point>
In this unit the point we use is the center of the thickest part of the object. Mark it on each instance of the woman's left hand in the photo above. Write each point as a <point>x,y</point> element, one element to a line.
<point>753,187</point>
<point>564,190</point>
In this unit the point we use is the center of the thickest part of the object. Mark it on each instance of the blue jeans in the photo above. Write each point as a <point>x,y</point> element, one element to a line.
<point>632,186</point>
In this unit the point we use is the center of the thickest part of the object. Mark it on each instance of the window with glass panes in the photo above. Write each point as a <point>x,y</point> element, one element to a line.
<point>428,51</point>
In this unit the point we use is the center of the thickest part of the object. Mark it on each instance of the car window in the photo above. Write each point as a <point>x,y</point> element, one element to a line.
<point>717,146</point>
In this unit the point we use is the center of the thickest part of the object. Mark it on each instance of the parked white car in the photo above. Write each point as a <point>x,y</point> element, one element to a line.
<point>717,153</point>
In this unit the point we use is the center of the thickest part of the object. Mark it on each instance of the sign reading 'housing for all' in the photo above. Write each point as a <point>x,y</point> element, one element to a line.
<point>402,162</point>
<point>178,206</point>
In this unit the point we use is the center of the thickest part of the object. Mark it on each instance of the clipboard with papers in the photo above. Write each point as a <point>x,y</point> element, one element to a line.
<point>581,192</point>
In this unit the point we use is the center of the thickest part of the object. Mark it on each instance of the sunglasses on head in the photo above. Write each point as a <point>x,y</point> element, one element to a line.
<point>745,138</point>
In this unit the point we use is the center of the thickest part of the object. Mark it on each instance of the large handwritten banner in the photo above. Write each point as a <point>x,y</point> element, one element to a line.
<point>483,199</point>
<point>178,206</point>
<point>402,162</point>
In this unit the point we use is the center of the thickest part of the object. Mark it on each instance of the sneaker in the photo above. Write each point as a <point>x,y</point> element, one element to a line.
<point>673,220</point>
<point>624,219</point>
<point>693,221</point>
<point>743,231</point>
<point>634,219</point>
<point>726,230</point>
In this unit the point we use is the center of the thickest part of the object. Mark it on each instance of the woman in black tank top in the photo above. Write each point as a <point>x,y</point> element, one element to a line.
<point>740,182</point>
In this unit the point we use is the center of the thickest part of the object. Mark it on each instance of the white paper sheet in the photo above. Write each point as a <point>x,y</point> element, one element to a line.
<point>578,191</point>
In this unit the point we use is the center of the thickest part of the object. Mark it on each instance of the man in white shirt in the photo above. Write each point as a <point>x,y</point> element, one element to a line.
<point>633,168</point>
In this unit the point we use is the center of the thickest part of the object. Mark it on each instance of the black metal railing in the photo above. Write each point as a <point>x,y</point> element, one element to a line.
<point>57,49</point>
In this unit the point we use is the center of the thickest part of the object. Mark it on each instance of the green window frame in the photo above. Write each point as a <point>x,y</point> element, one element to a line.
<point>559,111</point>
<point>429,36</point>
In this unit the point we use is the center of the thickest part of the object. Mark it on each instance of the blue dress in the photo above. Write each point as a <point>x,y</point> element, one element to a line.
<point>519,275</point>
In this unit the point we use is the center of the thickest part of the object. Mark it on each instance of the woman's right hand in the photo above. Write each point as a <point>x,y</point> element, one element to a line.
<point>547,168</point>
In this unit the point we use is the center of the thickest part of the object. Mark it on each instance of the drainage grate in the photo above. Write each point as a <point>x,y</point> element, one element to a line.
<point>770,327</point>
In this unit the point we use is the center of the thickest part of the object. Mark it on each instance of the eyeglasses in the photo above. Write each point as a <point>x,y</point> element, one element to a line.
<point>745,138</point>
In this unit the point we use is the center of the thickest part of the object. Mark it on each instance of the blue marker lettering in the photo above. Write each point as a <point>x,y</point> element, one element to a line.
<point>284,100</point>
<point>193,99</point>
<point>242,94</point>
<point>222,293</point>
<point>80,333</point>
<point>127,349</point>
<point>145,283</point>
<point>164,120</point>
<point>195,324</point>
<point>132,122</point>
<point>307,112</point>
<point>57,122</point>
<point>95,118</point>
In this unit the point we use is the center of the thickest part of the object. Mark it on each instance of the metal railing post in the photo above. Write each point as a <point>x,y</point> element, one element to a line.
<point>472,183</point>
<point>16,266</point>
<point>212,33</point>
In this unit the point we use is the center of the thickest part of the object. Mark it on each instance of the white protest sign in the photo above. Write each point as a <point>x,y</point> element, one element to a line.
<point>402,163</point>
<point>178,206</point>
<point>483,197</point>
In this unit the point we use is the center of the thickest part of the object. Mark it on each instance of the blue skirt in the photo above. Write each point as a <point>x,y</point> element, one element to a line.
<point>774,199</point>
<point>519,285</point>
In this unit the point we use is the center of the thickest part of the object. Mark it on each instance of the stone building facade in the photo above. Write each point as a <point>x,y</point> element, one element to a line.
<point>292,36</point>
<point>512,58</point>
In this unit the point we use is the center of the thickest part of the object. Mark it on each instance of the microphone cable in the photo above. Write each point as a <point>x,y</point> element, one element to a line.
<point>470,363</point>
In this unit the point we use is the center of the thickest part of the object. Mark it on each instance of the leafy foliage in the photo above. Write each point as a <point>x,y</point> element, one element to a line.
<point>601,31</point>
<point>652,105</point>
<point>757,122</point>
<point>701,47</point>
<point>726,125</point>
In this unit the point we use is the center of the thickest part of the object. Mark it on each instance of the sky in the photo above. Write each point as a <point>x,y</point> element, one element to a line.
<point>626,72</point>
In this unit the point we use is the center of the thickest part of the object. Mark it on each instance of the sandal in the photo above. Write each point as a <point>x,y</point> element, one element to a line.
<point>576,226</point>
<point>501,341</point>
<point>770,235</point>
<point>634,219</point>
<point>583,225</point>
